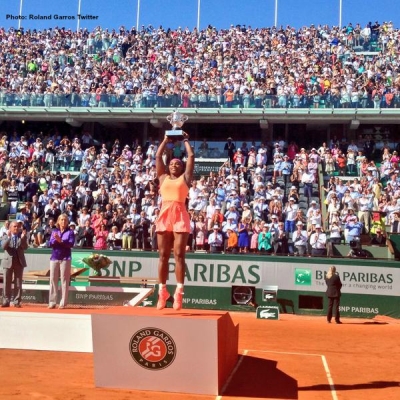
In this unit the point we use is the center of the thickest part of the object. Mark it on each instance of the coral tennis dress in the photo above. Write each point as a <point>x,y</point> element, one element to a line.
<point>173,215</point>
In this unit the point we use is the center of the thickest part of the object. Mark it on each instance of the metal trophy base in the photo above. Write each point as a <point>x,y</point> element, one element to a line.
<point>175,134</point>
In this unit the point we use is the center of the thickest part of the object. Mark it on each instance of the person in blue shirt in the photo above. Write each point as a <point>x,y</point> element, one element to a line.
<point>220,193</point>
<point>286,169</point>
<point>233,200</point>
<point>354,228</point>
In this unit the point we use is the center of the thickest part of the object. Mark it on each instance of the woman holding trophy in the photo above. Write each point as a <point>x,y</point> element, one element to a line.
<point>173,222</point>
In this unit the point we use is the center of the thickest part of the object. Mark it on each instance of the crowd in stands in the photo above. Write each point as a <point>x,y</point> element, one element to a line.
<point>266,198</point>
<point>314,66</point>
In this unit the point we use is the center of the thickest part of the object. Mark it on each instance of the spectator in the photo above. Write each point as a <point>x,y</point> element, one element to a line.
<point>365,208</point>
<point>244,239</point>
<point>308,179</point>
<point>290,212</point>
<point>232,246</point>
<point>37,230</point>
<point>300,239</point>
<point>264,240</point>
<point>230,148</point>
<point>354,229</point>
<point>141,232</point>
<point>318,242</point>
<point>215,240</point>
<point>201,233</point>
<point>127,233</point>
<point>114,239</point>
<point>280,240</point>
<point>101,236</point>
<point>85,235</point>
<point>4,229</point>
<point>83,217</point>
<point>127,162</point>
<point>379,239</point>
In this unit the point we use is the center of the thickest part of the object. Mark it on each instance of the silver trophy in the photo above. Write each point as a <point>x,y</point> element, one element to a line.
<point>176,119</point>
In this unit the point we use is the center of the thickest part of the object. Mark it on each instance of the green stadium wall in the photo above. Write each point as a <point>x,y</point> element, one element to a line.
<point>370,287</point>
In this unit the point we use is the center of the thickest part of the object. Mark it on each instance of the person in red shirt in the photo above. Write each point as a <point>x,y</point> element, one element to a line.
<point>341,162</point>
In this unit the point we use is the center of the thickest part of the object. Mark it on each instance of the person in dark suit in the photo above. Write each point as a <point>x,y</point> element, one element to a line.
<point>36,207</point>
<point>379,239</point>
<point>230,148</point>
<point>14,244</point>
<point>280,240</point>
<point>85,236</point>
<point>102,199</point>
<point>86,201</point>
<point>141,232</point>
<point>333,293</point>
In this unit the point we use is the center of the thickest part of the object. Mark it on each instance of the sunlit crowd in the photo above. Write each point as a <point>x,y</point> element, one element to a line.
<point>272,198</point>
<point>313,66</point>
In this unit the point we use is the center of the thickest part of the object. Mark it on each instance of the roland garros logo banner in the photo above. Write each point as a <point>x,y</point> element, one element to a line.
<point>152,348</point>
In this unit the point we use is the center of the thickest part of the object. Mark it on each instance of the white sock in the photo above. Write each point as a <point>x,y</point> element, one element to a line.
<point>162,286</point>
<point>179,286</point>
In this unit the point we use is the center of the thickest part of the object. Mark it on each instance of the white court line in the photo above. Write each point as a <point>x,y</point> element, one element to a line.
<point>228,381</point>
<point>329,376</point>
<point>323,359</point>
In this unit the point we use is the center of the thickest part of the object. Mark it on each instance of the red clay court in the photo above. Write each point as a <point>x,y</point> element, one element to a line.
<point>297,357</point>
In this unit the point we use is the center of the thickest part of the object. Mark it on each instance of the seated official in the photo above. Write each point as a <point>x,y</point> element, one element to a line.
<point>379,239</point>
<point>215,240</point>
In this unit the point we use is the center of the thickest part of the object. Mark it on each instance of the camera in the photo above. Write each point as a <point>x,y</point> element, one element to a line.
<point>355,244</point>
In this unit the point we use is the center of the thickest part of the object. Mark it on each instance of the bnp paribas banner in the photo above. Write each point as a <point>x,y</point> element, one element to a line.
<point>370,287</point>
<point>236,270</point>
<point>356,279</point>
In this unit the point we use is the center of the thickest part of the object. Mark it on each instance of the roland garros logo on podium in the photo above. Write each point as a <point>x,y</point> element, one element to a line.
<point>152,348</point>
